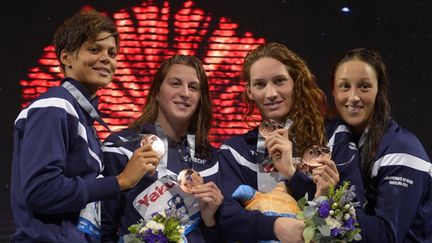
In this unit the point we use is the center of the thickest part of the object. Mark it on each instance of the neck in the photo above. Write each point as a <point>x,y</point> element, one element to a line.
<point>173,130</point>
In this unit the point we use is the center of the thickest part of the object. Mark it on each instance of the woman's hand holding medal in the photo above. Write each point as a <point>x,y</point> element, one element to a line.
<point>144,160</point>
<point>279,146</point>
<point>208,194</point>
<point>323,170</point>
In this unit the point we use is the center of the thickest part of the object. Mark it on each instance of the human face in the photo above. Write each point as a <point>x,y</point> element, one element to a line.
<point>93,64</point>
<point>178,95</point>
<point>355,90</point>
<point>271,88</point>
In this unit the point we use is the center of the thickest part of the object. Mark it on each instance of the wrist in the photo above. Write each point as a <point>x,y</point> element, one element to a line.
<point>289,172</point>
<point>121,182</point>
<point>209,222</point>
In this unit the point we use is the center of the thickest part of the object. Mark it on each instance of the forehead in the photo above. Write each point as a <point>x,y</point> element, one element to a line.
<point>104,39</point>
<point>267,66</point>
<point>355,68</point>
<point>183,72</point>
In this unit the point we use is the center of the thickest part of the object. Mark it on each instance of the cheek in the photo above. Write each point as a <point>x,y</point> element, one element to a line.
<point>339,98</point>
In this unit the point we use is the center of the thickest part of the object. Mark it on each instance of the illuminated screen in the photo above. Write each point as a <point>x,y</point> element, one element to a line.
<point>150,33</point>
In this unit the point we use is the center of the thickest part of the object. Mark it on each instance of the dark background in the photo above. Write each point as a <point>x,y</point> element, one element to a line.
<point>317,30</point>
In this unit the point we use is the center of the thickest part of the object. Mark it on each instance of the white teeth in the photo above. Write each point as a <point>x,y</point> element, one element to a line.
<point>353,109</point>
<point>183,105</point>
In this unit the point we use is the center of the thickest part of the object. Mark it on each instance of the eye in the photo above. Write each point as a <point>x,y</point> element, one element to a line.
<point>174,82</point>
<point>194,87</point>
<point>280,81</point>
<point>93,49</point>
<point>112,53</point>
<point>259,84</point>
<point>365,86</point>
<point>344,86</point>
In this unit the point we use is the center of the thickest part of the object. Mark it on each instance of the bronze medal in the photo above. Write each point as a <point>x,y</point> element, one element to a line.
<point>309,160</point>
<point>155,142</point>
<point>268,126</point>
<point>189,179</point>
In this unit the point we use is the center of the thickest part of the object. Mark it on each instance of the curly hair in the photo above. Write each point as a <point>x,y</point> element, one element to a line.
<point>309,102</point>
<point>83,26</point>
<point>381,115</point>
<point>202,118</point>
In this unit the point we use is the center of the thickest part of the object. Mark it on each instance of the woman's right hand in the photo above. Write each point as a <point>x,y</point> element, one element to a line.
<point>280,149</point>
<point>289,230</point>
<point>143,160</point>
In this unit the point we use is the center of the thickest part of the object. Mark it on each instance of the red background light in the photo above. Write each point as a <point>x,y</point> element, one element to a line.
<point>150,33</point>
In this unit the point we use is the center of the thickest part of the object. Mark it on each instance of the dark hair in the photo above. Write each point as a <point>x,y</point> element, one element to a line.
<point>83,26</point>
<point>201,120</point>
<point>381,115</point>
<point>308,100</point>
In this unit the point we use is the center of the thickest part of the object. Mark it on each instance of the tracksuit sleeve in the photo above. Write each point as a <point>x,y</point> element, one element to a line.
<point>399,191</point>
<point>235,221</point>
<point>113,210</point>
<point>43,159</point>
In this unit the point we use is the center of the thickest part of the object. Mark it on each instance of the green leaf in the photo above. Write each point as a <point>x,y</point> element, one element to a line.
<point>300,215</point>
<point>302,202</point>
<point>134,228</point>
<point>309,211</point>
<point>324,230</point>
<point>357,237</point>
<point>308,234</point>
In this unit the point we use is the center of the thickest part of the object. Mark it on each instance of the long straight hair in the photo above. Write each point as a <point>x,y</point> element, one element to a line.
<point>381,115</point>
<point>201,121</point>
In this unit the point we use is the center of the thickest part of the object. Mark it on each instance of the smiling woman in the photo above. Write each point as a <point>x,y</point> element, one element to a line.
<point>94,63</point>
<point>178,110</point>
<point>395,167</point>
<point>57,159</point>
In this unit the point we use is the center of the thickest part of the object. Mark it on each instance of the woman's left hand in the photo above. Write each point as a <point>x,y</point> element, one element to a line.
<point>210,198</point>
<point>324,176</point>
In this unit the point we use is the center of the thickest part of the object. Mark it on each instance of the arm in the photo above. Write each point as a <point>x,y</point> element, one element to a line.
<point>50,183</point>
<point>237,223</point>
<point>395,202</point>
<point>113,210</point>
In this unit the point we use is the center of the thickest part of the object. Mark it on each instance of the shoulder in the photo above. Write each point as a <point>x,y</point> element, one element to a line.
<point>400,140</point>
<point>339,133</point>
<point>335,126</point>
<point>401,149</point>
<point>56,102</point>
<point>237,142</point>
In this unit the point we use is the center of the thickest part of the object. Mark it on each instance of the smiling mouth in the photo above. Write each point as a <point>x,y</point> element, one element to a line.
<point>103,71</point>
<point>353,109</point>
<point>273,104</point>
<point>181,104</point>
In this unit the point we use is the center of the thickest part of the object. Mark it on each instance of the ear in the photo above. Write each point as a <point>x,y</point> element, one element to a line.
<point>66,58</point>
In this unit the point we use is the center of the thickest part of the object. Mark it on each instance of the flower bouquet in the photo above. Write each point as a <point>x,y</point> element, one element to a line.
<point>331,218</point>
<point>164,227</point>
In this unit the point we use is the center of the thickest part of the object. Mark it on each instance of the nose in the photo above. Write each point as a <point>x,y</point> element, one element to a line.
<point>184,91</point>
<point>104,57</point>
<point>353,95</point>
<point>271,92</point>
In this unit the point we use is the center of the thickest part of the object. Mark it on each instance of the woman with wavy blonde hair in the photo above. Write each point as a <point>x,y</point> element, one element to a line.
<point>282,88</point>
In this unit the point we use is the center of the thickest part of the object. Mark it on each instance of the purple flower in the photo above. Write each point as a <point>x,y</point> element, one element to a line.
<point>334,232</point>
<point>151,237</point>
<point>324,209</point>
<point>349,223</point>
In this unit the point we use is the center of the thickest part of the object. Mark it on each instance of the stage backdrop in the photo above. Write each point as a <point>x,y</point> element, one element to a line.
<point>220,33</point>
